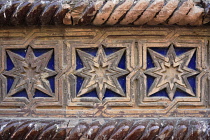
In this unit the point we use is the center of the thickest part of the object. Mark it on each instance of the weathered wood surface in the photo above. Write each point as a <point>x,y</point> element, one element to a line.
<point>100,12</point>
<point>139,129</point>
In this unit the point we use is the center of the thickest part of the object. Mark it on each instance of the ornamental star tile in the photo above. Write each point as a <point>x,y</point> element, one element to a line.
<point>30,73</point>
<point>101,72</point>
<point>171,72</point>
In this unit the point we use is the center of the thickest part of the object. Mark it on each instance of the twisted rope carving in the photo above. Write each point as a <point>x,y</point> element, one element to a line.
<point>112,130</point>
<point>39,12</point>
<point>136,12</point>
<point>101,12</point>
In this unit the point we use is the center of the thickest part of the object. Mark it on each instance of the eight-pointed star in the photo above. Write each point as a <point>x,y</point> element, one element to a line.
<point>30,73</point>
<point>171,72</point>
<point>101,72</point>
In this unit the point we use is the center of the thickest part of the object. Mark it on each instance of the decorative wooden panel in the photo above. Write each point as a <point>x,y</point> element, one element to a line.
<point>104,72</point>
<point>104,81</point>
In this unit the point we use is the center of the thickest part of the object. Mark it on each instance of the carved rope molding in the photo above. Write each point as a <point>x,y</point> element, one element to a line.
<point>145,129</point>
<point>101,12</point>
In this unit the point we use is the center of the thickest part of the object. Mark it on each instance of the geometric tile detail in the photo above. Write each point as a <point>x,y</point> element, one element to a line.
<point>29,77</point>
<point>101,72</point>
<point>171,72</point>
<point>30,73</point>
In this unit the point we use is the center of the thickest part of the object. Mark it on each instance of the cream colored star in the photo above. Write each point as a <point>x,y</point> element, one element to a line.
<point>171,72</point>
<point>101,72</point>
<point>30,73</point>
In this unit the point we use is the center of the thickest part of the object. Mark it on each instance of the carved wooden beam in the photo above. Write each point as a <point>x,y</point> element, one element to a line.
<point>143,129</point>
<point>101,12</point>
<point>64,47</point>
